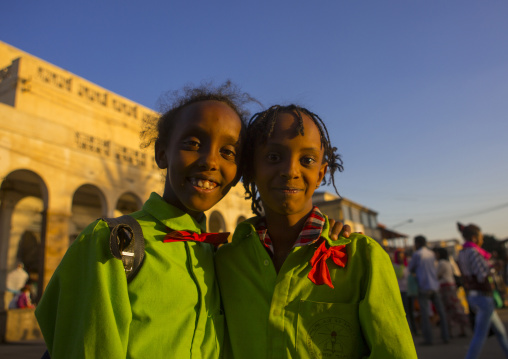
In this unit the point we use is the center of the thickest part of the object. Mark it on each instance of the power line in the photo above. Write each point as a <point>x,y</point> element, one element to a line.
<point>492,209</point>
<point>471,214</point>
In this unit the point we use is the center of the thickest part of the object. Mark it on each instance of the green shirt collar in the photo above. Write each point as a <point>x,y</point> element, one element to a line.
<point>172,217</point>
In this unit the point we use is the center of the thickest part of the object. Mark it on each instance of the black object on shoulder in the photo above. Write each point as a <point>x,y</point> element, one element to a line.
<point>126,243</point>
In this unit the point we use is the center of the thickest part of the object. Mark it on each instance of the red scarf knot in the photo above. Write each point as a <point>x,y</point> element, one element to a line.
<point>182,236</point>
<point>319,274</point>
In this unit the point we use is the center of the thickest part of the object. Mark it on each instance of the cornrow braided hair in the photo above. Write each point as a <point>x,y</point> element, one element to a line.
<point>261,127</point>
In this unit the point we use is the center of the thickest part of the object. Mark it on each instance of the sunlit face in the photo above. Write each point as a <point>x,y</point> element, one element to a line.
<point>201,156</point>
<point>289,167</point>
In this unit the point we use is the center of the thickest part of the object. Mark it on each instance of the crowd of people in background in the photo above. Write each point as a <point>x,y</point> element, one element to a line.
<point>441,286</point>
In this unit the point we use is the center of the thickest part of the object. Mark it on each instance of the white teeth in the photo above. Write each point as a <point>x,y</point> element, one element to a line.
<point>203,183</point>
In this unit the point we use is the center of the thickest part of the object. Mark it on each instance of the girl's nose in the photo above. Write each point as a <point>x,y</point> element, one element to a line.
<point>289,170</point>
<point>208,161</point>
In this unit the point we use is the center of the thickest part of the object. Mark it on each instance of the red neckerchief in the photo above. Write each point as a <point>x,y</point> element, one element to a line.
<point>182,236</point>
<point>320,274</point>
<point>480,250</point>
<point>311,233</point>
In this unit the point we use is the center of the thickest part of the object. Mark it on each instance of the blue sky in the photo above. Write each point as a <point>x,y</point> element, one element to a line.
<point>414,93</point>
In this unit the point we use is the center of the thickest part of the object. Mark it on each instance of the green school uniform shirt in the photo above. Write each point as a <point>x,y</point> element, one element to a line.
<point>285,315</point>
<point>171,309</point>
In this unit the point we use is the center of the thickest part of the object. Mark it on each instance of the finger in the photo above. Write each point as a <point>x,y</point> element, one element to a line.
<point>336,231</point>
<point>346,231</point>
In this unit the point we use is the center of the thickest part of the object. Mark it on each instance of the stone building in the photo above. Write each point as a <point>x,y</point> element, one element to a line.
<point>360,218</point>
<point>69,153</point>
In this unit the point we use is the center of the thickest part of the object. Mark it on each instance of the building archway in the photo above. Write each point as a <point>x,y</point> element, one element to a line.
<point>216,222</point>
<point>127,203</point>
<point>88,204</point>
<point>28,251</point>
<point>23,213</point>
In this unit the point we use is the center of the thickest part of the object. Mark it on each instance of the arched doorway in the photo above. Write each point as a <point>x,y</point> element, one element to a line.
<point>23,213</point>
<point>88,204</point>
<point>216,222</point>
<point>127,203</point>
<point>29,250</point>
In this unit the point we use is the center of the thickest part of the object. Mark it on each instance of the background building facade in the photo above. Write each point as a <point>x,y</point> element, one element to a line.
<point>69,154</point>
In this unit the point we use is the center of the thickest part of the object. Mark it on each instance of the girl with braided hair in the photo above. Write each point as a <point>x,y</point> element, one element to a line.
<point>288,290</point>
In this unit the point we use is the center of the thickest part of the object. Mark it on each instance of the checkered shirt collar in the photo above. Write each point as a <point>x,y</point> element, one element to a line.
<point>310,233</point>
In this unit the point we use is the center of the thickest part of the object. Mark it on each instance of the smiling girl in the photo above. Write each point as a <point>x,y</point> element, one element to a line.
<point>172,306</point>
<point>288,290</point>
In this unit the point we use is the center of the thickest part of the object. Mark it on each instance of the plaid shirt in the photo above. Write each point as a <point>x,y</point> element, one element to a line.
<point>310,233</point>
<point>472,263</point>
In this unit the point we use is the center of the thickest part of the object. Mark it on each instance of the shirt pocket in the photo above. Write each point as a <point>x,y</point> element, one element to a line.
<point>329,330</point>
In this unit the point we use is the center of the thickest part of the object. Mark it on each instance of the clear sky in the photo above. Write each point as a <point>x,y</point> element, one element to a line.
<point>414,93</point>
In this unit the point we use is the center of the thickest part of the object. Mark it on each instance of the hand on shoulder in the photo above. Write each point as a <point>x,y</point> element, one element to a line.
<point>338,229</point>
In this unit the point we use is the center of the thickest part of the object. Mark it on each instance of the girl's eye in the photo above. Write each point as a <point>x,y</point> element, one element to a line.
<point>272,157</point>
<point>307,161</point>
<point>228,154</point>
<point>191,144</point>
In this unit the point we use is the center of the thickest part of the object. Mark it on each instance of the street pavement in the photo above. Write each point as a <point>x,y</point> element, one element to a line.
<point>456,349</point>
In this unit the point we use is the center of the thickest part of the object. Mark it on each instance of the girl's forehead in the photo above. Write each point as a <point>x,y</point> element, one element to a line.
<point>287,134</point>
<point>205,113</point>
<point>289,125</point>
<point>197,110</point>
<point>213,118</point>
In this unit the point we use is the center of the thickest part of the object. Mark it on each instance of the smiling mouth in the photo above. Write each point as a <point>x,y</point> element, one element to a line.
<point>289,190</point>
<point>202,183</point>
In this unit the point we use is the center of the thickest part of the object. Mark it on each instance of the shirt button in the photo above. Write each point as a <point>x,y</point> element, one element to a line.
<point>266,262</point>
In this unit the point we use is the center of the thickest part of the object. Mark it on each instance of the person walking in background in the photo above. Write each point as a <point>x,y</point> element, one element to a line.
<point>448,290</point>
<point>15,281</point>
<point>473,262</point>
<point>402,273</point>
<point>423,265</point>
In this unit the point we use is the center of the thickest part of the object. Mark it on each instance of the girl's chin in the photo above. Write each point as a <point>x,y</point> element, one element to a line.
<point>286,210</point>
<point>202,204</point>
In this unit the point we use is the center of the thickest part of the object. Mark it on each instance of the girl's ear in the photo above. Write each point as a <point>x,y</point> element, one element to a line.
<point>160,155</point>
<point>322,173</point>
